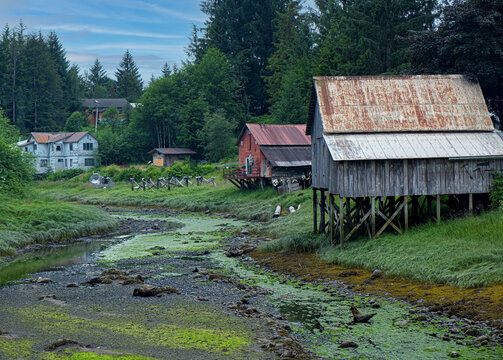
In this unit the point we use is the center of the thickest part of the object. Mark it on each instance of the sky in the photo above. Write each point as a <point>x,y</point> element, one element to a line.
<point>154,31</point>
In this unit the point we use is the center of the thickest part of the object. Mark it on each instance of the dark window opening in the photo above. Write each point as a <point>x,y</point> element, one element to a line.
<point>88,146</point>
<point>58,147</point>
<point>89,162</point>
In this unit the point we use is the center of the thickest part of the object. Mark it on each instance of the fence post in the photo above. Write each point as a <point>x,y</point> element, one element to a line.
<point>157,183</point>
<point>132,184</point>
<point>143,183</point>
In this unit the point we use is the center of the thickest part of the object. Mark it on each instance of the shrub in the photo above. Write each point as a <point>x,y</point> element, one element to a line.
<point>63,174</point>
<point>496,194</point>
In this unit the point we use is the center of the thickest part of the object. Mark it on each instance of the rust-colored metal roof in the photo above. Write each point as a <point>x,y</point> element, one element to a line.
<point>173,151</point>
<point>363,104</point>
<point>50,137</point>
<point>274,135</point>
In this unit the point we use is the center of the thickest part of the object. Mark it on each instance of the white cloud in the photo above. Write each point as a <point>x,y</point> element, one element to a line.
<point>172,13</point>
<point>101,30</point>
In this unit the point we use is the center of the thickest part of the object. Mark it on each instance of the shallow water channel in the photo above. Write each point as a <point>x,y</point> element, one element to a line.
<point>228,307</point>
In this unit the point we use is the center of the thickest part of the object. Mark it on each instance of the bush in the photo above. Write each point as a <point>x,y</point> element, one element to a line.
<point>15,169</point>
<point>63,174</point>
<point>496,194</point>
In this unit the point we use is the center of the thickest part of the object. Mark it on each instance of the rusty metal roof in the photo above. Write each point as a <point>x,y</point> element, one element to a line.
<point>288,156</point>
<point>381,146</point>
<point>274,135</point>
<point>51,137</point>
<point>400,103</point>
<point>173,151</point>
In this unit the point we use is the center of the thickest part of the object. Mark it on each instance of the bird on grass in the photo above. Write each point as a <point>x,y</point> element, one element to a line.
<point>359,317</point>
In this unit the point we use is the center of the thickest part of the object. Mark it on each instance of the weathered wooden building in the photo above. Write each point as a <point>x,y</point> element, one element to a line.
<point>90,107</point>
<point>268,152</point>
<point>61,151</point>
<point>386,148</point>
<point>168,156</point>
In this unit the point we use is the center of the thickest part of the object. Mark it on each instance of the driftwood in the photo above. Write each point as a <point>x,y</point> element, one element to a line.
<point>359,317</point>
<point>291,209</point>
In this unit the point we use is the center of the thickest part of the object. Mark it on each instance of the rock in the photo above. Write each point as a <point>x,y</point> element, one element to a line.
<point>136,280</point>
<point>42,280</point>
<point>200,298</point>
<point>234,252</point>
<point>401,323</point>
<point>43,297</point>
<point>376,306</point>
<point>287,354</point>
<point>245,232</point>
<point>376,274</point>
<point>146,291</point>
<point>348,344</point>
<point>151,290</point>
<point>472,331</point>
<point>347,273</point>
<point>421,318</point>
<point>482,338</point>
<point>61,342</point>
<point>72,285</point>
<point>454,354</point>
<point>99,280</point>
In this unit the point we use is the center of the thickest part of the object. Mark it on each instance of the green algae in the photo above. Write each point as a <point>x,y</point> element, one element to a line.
<point>323,321</point>
<point>13,348</point>
<point>77,354</point>
<point>183,327</point>
<point>196,234</point>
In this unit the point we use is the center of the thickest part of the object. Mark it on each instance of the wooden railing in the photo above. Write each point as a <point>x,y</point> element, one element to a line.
<point>236,172</point>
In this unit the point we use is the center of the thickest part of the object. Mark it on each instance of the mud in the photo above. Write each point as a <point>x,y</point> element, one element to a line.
<point>478,304</point>
<point>210,295</point>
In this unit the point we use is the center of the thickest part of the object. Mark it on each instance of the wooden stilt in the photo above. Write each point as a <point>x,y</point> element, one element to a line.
<point>341,217</point>
<point>323,206</point>
<point>331,218</point>
<point>406,213</point>
<point>470,204</point>
<point>315,210</point>
<point>373,215</point>
<point>438,208</point>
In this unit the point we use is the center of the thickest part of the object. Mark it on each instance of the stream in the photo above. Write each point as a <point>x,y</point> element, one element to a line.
<point>175,285</point>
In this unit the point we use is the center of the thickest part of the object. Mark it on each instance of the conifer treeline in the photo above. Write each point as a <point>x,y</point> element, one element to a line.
<point>39,88</point>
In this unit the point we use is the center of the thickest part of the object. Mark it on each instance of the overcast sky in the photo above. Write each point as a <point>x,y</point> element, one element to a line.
<point>155,31</point>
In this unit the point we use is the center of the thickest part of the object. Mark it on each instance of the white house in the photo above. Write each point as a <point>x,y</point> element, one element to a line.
<point>61,151</point>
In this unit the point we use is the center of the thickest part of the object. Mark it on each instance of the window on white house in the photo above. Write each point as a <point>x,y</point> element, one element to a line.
<point>58,147</point>
<point>35,147</point>
<point>66,163</point>
<point>71,162</point>
<point>26,148</point>
<point>60,160</point>
<point>71,147</point>
<point>43,163</point>
<point>89,162</point>
<point>88,146</point>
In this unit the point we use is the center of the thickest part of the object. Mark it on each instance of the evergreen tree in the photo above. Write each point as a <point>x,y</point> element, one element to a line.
<point>468,40</point>
<point>98,83</point>
<point>166,70</point>
<point>243,31</point>
<point>129,84</point>
<point>219,136</point>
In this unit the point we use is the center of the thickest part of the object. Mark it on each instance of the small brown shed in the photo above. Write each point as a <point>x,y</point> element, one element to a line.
<point>390,146</point>
<point>168,156</point>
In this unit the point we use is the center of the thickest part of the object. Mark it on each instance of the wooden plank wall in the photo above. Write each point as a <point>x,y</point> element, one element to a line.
<point>412,177</point>
<point>321,158</point>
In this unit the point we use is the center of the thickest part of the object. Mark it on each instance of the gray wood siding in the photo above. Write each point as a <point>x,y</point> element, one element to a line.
<point>412,177</point>
<point>321,158</point>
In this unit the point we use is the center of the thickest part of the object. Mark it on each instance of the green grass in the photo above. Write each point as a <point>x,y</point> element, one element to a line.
<point>36,219</point>
<point>464,252</point>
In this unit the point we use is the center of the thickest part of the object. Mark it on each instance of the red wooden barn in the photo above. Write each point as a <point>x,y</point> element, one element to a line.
<point>271,153</point>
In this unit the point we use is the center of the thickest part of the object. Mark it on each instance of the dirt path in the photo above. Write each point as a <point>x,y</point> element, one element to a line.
<point>200,296</point>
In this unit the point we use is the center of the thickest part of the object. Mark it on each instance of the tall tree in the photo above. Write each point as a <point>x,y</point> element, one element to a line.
<point>366,37</point>
<point>243,31</point>
<point>468,40</point>
<point>289,82</point>
<point>166,70</point>
<point>129,83</point>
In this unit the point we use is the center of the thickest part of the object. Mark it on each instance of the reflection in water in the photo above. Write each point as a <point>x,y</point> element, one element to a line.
<point>47,258</point>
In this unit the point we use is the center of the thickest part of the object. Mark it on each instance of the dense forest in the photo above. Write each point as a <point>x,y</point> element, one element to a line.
<point>252,61</point>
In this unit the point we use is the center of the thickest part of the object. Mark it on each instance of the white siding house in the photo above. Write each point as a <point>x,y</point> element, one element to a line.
<point>61,151</point>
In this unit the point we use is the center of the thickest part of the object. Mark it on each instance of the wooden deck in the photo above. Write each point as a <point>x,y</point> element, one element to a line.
<point>243,179</point>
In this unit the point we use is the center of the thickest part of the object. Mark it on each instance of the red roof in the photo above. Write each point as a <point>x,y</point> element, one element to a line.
<point>362,104</point>
<point>173,151</point>
<point>50,137</point>
<point>274,135</point>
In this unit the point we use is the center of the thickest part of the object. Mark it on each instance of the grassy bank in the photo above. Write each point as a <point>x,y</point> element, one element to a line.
<point>36,219</point>
<point>463,252</point>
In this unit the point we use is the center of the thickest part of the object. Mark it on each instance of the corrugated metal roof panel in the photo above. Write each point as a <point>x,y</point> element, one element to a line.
<point>105,103</point>
<point>173,151</point>
<point>347,147</point>
<point>401,103</point>
<point>271,135</point>
<point>288,156</point>
<point>75,137</point>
